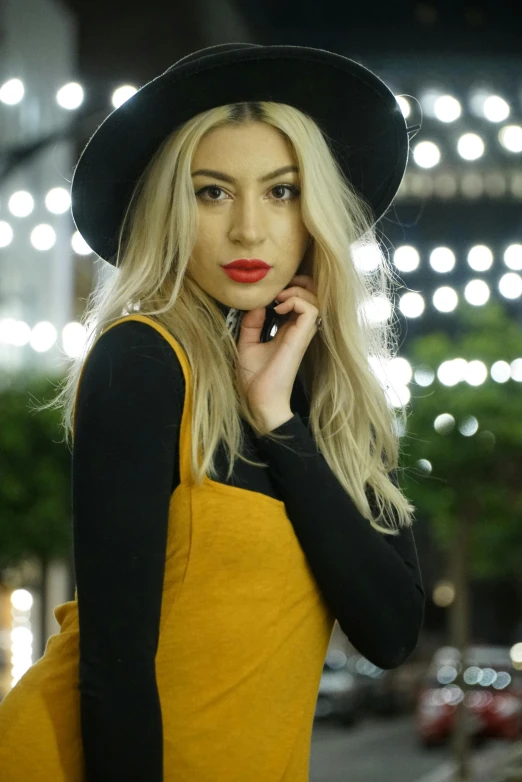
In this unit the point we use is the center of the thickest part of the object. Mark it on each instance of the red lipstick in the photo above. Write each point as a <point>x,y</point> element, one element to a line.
<point>247,269</point>
<point>246,275</point>
<point>247,263</point>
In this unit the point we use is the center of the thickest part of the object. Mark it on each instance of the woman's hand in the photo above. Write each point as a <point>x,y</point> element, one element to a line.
<point>268,369</point>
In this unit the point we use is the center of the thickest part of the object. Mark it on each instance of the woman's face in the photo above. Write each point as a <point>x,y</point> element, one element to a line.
<point>246,218</point>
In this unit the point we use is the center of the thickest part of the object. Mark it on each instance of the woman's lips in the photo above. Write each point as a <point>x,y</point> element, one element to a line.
<point>245,275</point>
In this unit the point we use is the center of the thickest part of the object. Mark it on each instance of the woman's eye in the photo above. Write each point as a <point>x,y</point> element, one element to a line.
<point>207,189</point>
<point>213,188</point>
<point>292,188</point>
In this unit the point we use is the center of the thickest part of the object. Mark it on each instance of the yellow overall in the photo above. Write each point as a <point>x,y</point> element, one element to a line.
<point>243,636</point>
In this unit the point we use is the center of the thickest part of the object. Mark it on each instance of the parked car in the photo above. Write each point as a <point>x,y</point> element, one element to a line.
<point>386,693</point>
<point>342,691</point>
<point>380,694</point>
<point>492,704</point>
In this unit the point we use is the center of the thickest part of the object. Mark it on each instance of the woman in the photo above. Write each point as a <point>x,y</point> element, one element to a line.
<point>208,588</point>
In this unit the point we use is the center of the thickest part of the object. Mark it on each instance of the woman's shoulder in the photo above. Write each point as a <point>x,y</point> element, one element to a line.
<point>133,351</point>
<point>128,333</point>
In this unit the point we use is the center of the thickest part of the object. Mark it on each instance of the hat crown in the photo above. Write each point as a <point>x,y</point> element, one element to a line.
<point>372,151</point>
<point>218,48</point>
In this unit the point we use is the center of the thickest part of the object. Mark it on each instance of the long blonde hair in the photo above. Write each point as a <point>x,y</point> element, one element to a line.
<point>351,421</point>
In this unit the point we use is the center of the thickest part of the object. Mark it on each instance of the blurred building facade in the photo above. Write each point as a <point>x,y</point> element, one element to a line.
<point>39,54</point>
<point>38,57</point>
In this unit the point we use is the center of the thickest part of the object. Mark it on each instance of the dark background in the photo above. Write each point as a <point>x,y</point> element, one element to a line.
<point>119,41</point>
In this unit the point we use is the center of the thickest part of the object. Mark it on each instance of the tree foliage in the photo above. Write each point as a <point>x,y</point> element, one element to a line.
<point>470,463</point>
<point>35,467</point>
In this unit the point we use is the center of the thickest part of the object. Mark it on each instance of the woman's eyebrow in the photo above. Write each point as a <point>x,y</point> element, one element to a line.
<point>226,178</point>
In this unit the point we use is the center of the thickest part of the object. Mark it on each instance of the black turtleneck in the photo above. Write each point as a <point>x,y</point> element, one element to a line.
<point>125,467</point>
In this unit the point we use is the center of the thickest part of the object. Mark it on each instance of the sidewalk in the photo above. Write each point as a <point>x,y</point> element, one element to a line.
<point>492,763</point>
<point>510,766</point>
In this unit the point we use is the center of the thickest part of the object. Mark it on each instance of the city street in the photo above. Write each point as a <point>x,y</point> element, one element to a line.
<point>386,750</point>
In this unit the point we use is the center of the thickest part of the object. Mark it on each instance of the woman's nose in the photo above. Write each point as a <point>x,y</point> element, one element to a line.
<point>247,220</point>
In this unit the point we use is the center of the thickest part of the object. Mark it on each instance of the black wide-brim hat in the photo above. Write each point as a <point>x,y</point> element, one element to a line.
<point>358,113</point>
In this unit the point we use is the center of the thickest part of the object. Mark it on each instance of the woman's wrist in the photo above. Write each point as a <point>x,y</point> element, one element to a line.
<point>268,420</point>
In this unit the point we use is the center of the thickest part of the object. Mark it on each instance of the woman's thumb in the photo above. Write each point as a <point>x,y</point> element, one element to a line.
<point>251,326</point>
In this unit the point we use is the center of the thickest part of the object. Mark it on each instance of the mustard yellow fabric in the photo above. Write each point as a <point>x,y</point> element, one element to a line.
<point>243,636</point>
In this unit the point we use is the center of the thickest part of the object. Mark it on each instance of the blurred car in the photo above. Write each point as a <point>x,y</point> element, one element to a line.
<point>386,692</point>
<point>381,696</point>
<point>492,704</point>
<point>342,692</point>
<point>393,692</point>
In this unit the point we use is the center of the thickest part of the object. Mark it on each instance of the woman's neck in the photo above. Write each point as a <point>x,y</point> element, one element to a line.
<point>232,317</point>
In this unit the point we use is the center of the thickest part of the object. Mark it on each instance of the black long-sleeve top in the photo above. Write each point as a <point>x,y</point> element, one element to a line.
<point>125,467</point>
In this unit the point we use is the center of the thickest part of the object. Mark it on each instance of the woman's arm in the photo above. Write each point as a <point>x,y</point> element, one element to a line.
<point>128,411</point>
<point>371,582</point>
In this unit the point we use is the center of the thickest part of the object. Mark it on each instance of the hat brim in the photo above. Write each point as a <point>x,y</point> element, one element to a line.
<point>356,111</point>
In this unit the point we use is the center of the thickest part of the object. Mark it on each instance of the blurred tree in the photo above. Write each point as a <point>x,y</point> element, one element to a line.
<point>35,462</point>
<point>468,463</point>
<point>462,458</point>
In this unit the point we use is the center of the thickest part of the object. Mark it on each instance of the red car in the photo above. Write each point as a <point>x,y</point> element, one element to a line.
<point>493,702</point>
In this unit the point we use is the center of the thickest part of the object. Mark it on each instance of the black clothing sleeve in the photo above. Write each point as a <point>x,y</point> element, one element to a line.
<point>372,582</point>
<point>128,411</point>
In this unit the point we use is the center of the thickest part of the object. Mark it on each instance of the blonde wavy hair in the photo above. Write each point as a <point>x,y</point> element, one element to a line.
<point>352,423</point>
